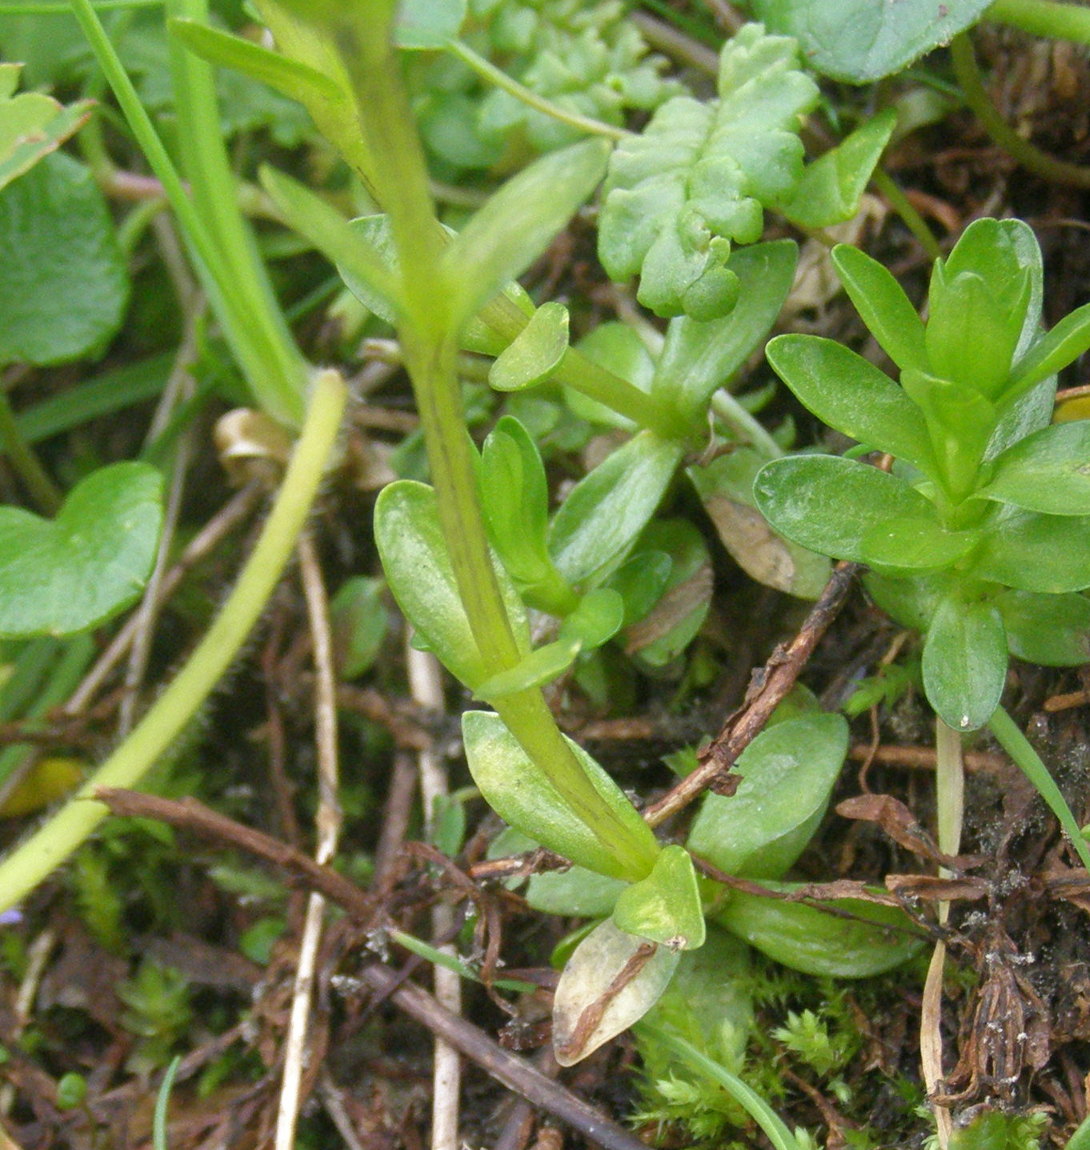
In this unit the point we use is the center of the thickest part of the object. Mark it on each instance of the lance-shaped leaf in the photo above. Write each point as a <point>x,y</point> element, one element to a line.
<point>885,308</point>
<point>1047,471</point>
<point>1061,346</point>
<point>831,187</point>
<point>521,794</point>
<point>788,773</point>
<point>700,357</point>
<point>32,124</point>
<point>1035,552</point>
<point>665,907</point>
<point>79,569</point>
<point>519,222</point>
<point>858,939</point>
<point>611,981</point>
<point>965,662</point>
<point>421,577</point>
<point>606,510</point>
<point>699,175</point>
<point>858,40</point>
<point>852,395</point>
<point>834,506</point>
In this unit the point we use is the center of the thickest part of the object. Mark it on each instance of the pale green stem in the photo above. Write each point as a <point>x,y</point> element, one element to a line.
<point>976,96</point>
<point>910,217</point>
<point>50,846</point>
<point>1016,745</point>
<point>743,424</point>
<point>1044,18</point>
<point>949,793</point>
<point>494,75</point>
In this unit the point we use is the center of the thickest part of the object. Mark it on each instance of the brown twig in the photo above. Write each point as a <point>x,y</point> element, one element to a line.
<point>513,1072</point>
<point>768,687</point>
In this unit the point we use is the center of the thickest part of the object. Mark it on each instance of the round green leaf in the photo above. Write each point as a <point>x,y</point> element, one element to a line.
<point>64,283</point>
<point>87,564</point>
<point>664,907</point>
<point>965,662</point>
<point>788,773</point>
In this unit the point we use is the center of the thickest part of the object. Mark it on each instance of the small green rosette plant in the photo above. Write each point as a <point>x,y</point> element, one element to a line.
<point>980,535</point>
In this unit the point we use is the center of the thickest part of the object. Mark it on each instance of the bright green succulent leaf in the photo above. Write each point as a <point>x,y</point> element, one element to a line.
<point>857,940</point>
<point>358,618</point>
<point>1035,552</point>
<point>664,632</point>
<point>520,221</point>
<point>832,505</point>
<point>604,513</point>
<point>64,281</point>
<point>611,981</point>
<point>965,662</point>
<point>519,791</point>
<point>421,577</point>
<point>699,175</point>
<point>664,907</point>
<point>850,394</point>
<point>831,187</point>
<point>362,251</point>
<point>288,76</point>
<point>885,308</point>
<point>534,354</point>
<point>699,358</point>
<point>1021,415</point>
<point>597,619</point>
<point>1054,351</point>
<point>725,487</point>
<point>90,562</point>
<point>859,41</point>
<point>540,666</point>
<point>575,893</point>
<point>1053,630</point>
<point>788,773</point>
<point>32,124</point>
<point>910,601</point>
<point>917,543</point>
<point>1047,471</point>
<point>428,25</point>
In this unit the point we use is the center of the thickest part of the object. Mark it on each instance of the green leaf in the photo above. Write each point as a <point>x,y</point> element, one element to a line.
<point>917,543</point>
<point>618,348</point>
<point>357,250</point>
<point>358,617</point>
<point>1035,552</point>
<point>1053,630</point>
<point>1061,346</point>
<point>540,666</point>
<point>611,981</point>
<point>598,617</point>
<point>859,41</point>
<point>419,572</point>
<point>909,601</point>
<point>428,25</point>
<point>830,188</point>
<point>834,506</point>
<point>32,124</point>
<point>64,282</point>
<point>533,355</point>
<point>845,391</point>
<point>725,487</point>
<point>518,790</point>
<point>965,662</point>
<point>1048,471</point>
<point>575,893</point>
<point>788,773</point>
<point>857,940</point>
<point>700,357</point>
<point>885,308</point>
<point>665,907</point>
<point>288,76</point>
<point>520,221</point>
<point>87,564</point>
<point>605,512</point>
<point>699,176</point>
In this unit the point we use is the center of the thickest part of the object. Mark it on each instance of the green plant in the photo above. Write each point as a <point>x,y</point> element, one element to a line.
<point>978,538</point>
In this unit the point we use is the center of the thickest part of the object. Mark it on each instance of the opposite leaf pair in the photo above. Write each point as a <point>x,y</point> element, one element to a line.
<point>981,535</point>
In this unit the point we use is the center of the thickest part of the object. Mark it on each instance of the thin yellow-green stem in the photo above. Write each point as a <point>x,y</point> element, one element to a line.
<point>50,846</point>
